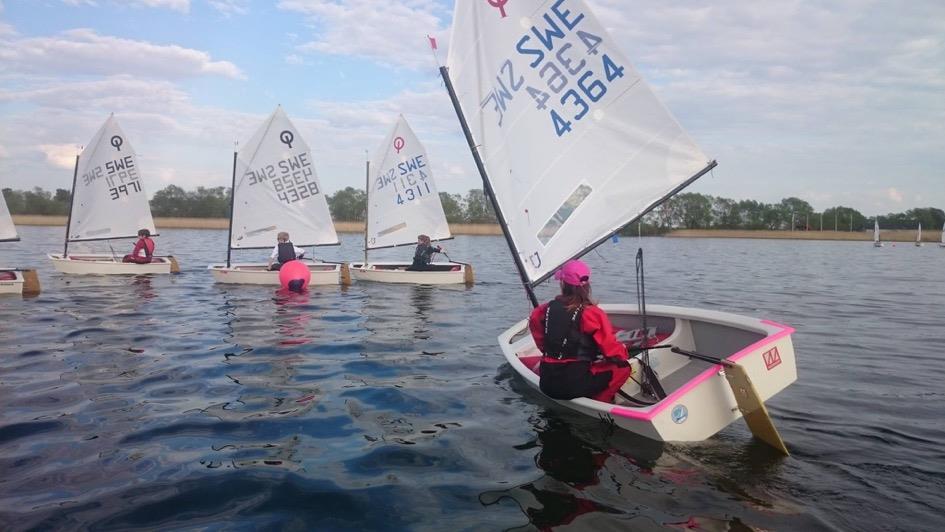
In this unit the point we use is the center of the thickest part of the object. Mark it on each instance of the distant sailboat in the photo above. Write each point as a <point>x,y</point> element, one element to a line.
<point>275,189</point>
<point>572,145</point>
<point>942,244</point>
<point>918,237</point>
<point>402,202</point>
<point>108,202</point>
<point>14,280</point>
<point>876,242</point>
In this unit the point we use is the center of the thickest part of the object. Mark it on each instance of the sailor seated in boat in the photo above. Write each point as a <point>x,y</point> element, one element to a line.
<point>581,357</point>
<point>284,252</point>
<point>423,255</point>
<point>144,244</point>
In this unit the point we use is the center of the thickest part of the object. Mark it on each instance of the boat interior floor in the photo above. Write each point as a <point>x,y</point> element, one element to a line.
<point>670,383</point>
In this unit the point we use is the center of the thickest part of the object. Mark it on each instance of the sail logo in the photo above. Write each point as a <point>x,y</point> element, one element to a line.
<point>500,5</point>
<point>772,358</point>
<point>399,144</point>
<point>286,137</point>
<point>116,142</point>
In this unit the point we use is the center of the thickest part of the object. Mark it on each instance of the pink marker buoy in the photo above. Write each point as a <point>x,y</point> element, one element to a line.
<point>295,276</point>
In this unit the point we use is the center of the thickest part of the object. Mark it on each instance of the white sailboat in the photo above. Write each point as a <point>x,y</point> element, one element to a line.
<point>918,237</point>
<point>14,280</point>
<point>403,202</point>
<point>108,202</point>
<point>572,146</point>
<point>942,244</point>
<point>876,241</point>
<point>275,189</point>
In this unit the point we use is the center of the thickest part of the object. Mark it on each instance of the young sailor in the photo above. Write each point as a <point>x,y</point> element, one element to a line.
<point>144,244</point>
<point>284,252</point>
<point>581,355</point>
<point>423,254</point>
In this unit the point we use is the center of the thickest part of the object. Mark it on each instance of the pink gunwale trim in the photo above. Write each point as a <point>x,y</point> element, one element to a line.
<point>702,377</point>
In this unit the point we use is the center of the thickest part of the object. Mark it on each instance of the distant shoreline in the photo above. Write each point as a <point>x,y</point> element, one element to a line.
<point>906,235</point>
<point>223,223</point>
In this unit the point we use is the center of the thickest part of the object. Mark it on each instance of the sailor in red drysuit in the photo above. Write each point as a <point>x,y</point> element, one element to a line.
<point>581,355</point>
<point>145,244</point>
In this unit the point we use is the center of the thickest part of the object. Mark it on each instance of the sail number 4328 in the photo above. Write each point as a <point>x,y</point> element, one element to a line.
<point>572,72</point>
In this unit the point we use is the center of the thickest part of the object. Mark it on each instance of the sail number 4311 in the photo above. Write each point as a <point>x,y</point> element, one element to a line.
<point>573,73</point>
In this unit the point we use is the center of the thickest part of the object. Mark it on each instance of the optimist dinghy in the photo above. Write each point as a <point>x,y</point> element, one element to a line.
<point>876,242</point>
<point>572,145</point>
<point>918,237</point>
<point>402,203</point>
<point>108,202</point>
<point>14,280</point>
<point>942,244</point>
<point>275,189</point>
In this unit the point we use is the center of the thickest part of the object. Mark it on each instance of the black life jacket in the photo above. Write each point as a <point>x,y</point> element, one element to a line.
<point>563,336</point>
<point>286,252</point>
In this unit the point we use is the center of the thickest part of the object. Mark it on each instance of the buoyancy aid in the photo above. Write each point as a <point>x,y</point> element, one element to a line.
<point>563,336</point>
<point>148,248</point>
<point>286,252</point>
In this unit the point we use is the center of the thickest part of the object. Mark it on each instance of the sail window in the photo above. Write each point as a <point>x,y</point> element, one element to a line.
<point>564,212</point>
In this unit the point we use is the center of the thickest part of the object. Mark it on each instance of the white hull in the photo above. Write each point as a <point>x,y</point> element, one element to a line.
<point>699,398</point>
<point>877,244</point>
<point>396,272</point>
<point>11,286</point>
<point>104,264</point>
<point>323,273</point>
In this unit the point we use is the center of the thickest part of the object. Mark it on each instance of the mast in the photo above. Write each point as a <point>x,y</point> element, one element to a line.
<point>229,234</point>
<point>367,200</point>
<point>75,174</point>
<point>444,72</point>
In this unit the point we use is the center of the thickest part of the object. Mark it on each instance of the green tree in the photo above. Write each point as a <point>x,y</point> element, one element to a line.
<point>696,210</point>
<point>348,205</point>
<point>479,208</point>
<point>452,207</point>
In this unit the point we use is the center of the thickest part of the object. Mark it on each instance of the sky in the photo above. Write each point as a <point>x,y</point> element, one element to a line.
<point>838,102</point>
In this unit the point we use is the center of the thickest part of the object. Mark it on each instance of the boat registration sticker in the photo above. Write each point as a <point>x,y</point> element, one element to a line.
<point>772,358</point>
<point>680,414</point>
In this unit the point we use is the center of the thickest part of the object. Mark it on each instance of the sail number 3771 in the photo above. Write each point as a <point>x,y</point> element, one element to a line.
<point>573,73</point>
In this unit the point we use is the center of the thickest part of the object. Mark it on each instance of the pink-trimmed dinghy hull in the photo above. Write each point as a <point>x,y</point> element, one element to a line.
<point>699,401</point>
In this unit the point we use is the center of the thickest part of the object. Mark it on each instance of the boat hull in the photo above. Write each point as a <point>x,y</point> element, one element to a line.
<point>11,281</point>
<point>103,264</point>
<point>396,272</point>
<point>877,244</point>
<point>323,274</point>
<point>700,401</point>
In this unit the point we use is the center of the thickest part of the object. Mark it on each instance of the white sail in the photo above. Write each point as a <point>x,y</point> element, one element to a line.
<point>918,234</point>
<point>943,234</point>
<point>403,200</point>
<point>109,199</point>
<point>875,230</point>
<point>277,189</point>
<point>7,229</point>
<point>574,141</point>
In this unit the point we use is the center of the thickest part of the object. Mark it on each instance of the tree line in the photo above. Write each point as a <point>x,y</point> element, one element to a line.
<point>689,210</point>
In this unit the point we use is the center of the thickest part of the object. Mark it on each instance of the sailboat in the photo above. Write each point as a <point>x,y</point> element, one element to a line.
<point>275,189</point>
<point>108,202</point>
<point>402,202</point>
<point>942,244</point>
<point>572,145</point>
<point>918,237</point>
<point>876,241</point>
<point>14,280</point>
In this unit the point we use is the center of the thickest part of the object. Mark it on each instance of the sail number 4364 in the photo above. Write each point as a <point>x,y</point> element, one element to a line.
<point>573,73</point>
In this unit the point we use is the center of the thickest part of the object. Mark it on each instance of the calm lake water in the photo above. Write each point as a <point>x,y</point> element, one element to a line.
<point>172,402</point>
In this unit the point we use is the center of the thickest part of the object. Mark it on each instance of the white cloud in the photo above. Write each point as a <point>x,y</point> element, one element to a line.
<point>60,155</point>
<point>391,33</point>
<point>230,7</point>
<point>894,194</point>
<point>83,51</point>
<point>177,5</point>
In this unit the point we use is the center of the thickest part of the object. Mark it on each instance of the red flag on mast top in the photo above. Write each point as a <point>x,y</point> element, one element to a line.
<point>432,42</point>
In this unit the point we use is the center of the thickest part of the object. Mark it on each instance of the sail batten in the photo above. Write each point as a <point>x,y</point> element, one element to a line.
<point>277,189</point>
<point>574,142</point>
<point>108,198</point>
<point>402,196</point>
